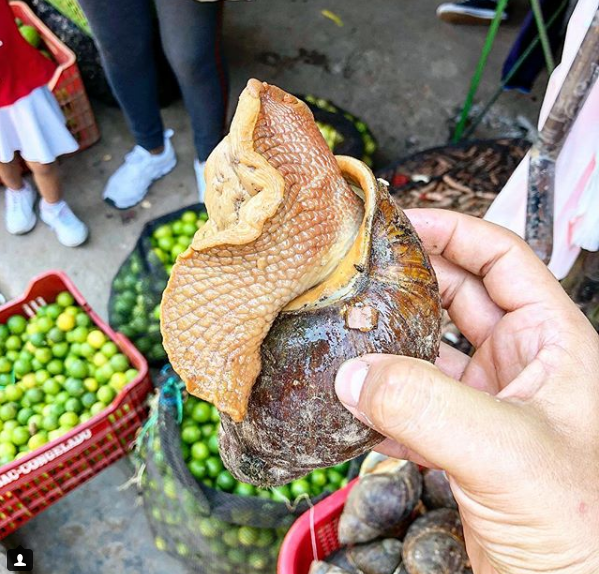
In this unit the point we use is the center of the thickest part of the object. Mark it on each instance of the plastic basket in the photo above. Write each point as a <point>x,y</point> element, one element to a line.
<point>314,534</point>
<point>71,10</point>
<point>32,483</point>
<point>66,84</point>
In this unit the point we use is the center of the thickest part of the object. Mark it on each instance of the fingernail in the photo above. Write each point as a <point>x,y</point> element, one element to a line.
<point>350,380</point>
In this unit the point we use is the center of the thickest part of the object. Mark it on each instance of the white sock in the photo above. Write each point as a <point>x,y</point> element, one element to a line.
<point>52,208</point>
<point>24,188</point>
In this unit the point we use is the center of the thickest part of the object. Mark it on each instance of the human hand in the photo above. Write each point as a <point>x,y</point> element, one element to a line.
<point>519,433</point>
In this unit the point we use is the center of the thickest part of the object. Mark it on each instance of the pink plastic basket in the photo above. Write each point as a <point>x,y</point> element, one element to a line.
<point>314,534</point>
<point>32,483</point>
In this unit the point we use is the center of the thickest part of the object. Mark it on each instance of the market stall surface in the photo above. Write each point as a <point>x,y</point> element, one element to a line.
<point>392,63</point>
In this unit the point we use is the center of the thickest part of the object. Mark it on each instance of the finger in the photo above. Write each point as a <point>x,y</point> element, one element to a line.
<point>453,426</point>
<point>451,361</point>
<point>467,301</point>
<point>512,274</point>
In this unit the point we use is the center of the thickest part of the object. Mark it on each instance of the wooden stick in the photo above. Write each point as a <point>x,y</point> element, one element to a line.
<point>543,155</point>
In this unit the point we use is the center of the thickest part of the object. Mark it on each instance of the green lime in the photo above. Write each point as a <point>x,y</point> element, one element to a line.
<point>189,217</point>
<point>258,561</point>
<point>197,469</point>
<point>201,412</point>
<point>266,538</point>
<point>162,231</point>
<point>37,339</point>
<point>11,424</point>
<point>4,333</point>
<point>177,227</point>
<point>213,444</point>
<point>13,343</point>
<point>5,378</point>
<point>248,536</point>
<point>215,416</point>
<point>118,381</point>
<point>199,451</point>
<point>42,376</point>
<point>86,350</point>
<point>24,415</point>
<point>281,493</point>
<point>208,528</point>
<point>177,250</point>
<point>13,393</point>
<point>68,419</point>
<point>45,324</point>
<point>225,481</point>
<point>166,243</point>
<point>34,396</point>
<point>80,334</point>
<point>104,373</point>
<point>119,362</point>
<point>5,365</point>
<point>189,229</point>
<point>185,451</point>
<point>99,359</point>
<point>74,387</point>
<point>20,436</point>
<point>84,417</point>
<point>318,478</point>
<point>53,311</point>
<point>77,369</point>
<point>131,374</point>
<point>37,440</point>
<point>191,435</point>
<point>61,398</point>
<point>50,422</point>
<point>7,449</point>
<point>55,366</point>
<point>106,394</point>
<point>87,400</point>
<point>83,320</point>
<point>97,408</point>
<point>60,350</point>
<point>12,356</point>
<point>243,489</point>
<point>300,487</point>
<point>54,434</point>
<point>184,240</point>
<point>208,431</point>
<point>109,349</point>
<point>334,477</point>
<point>56,409</point>
<point>44,355</point>
<point>214,465</point>
<point>65,299</point>
<point>17,324</point>
<point>73,405</point>
<point>230,537</point>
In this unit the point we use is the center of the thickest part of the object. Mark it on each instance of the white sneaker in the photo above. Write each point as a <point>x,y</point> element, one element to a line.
<point>69,229</point>
<point>19,215</point>
<point>200,168</point>
<point>129,184</point>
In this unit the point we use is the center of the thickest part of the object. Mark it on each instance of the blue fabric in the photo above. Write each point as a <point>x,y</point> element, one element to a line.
<point>192,40</point>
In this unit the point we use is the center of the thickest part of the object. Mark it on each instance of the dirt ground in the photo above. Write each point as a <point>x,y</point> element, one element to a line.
<point>392,63</point>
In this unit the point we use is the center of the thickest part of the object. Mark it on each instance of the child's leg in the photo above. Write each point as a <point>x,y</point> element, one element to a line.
<point>47,179</point>
<point>70,230</point>
<point>10,174</point>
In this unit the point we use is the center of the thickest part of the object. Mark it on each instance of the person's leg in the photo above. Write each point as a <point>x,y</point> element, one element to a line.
<point>18,199</point>
<point>192,40</point>
<point>11,175</point>
<point>54,211</point>
<point>124,31</point>
<point>47,180</point>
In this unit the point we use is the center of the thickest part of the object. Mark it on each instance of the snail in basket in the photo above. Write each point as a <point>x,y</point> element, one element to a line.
<point>305,262</point>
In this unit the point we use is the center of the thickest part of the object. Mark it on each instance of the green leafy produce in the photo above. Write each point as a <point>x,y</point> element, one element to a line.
<point>49,375</point>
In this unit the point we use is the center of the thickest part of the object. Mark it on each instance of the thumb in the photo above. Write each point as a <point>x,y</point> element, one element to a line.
<point>451,425</point>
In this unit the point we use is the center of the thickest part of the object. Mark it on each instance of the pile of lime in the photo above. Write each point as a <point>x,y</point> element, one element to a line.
<point>137,288</point>
<point>171,239</point>
<point>33,37</point>
<point>57,369</point>
<point>370,145</point>
<point>199,445</point>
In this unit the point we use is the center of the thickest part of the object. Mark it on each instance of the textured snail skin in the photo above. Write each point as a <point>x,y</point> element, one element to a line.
<point>304,263</point>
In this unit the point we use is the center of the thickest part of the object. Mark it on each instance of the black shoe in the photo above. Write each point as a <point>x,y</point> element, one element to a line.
<point>469,12</point>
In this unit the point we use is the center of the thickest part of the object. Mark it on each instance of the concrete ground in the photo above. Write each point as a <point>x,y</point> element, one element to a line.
<point>392,63</point>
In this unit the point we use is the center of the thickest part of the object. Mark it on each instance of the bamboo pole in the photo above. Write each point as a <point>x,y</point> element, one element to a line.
<point>544,153</point>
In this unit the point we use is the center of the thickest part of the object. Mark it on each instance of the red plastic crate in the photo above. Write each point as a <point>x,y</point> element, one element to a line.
<point>313,536</point>
<point>66,84</point>
<point>34,482</point>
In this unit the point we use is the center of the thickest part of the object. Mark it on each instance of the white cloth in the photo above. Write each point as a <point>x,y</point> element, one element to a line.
<point>36,127</point>
<point>577,171</point>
